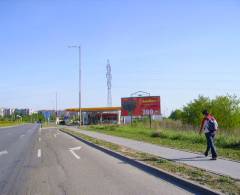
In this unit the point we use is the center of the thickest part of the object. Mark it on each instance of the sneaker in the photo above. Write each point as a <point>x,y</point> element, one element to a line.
<point>205,154</point>
<point>213,158</point>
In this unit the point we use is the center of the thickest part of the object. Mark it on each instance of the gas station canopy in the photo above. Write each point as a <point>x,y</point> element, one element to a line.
<point>97,109</point>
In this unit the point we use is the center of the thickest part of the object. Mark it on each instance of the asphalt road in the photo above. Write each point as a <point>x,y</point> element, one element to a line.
<point>37,161</point>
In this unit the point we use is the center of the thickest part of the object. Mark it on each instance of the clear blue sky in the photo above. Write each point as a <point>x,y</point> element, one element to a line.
<point>175,49</point>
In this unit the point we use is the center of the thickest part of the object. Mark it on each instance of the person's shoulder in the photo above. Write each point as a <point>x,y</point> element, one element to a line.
<point>212,117</point>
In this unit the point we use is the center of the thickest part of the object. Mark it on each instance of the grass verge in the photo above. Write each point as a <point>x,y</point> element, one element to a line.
<point>227,146</point>
<point>223,184</point>
<point>9,123</point>
<point>49,125</point>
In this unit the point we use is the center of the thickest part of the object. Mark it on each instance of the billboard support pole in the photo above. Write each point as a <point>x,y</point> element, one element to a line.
<point>150,120</point>
<point>131,119</point>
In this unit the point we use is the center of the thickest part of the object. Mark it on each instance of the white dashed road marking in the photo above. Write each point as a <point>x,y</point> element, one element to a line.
<point>21,136</point>
<point>39,154</point>
<point>3,152</point>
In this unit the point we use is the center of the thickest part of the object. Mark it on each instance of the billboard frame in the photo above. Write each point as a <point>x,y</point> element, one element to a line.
<point>136,106</point>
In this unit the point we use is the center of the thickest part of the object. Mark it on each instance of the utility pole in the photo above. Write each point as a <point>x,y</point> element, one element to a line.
<point>79,83</point>
<point>56,105</point>
<point>109,84</point>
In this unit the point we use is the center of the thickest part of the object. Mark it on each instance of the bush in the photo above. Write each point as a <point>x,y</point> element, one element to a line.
<point>226,109</point>
<point>176,115</point>
<point>156,133</point>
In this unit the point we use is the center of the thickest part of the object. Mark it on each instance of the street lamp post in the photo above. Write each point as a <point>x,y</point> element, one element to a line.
<point>80,82</point>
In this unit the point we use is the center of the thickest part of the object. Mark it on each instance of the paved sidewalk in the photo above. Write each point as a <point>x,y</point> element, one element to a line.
<point>220,166</point>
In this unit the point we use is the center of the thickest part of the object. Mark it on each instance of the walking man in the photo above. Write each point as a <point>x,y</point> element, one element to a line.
<point>209,125</point>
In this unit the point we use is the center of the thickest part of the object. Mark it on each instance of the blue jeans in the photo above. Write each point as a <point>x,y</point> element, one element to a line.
<point>210,144</point>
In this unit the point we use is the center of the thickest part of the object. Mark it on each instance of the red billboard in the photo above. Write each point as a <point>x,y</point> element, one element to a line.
<point>140,106</point>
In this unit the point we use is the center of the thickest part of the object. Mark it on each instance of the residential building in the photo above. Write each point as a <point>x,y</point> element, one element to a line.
<point>2,112</point>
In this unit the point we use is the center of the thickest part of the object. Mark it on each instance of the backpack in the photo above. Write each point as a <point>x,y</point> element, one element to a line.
<point>212,125</point>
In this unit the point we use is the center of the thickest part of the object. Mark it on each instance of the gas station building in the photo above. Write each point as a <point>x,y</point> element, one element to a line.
<point>98,115</point>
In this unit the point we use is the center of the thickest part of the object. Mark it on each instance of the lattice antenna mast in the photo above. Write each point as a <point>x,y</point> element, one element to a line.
<point>109,84</point>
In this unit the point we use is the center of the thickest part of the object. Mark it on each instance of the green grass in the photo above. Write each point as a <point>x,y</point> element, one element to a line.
<point>9,123</point>
<point>224,184</point>
<point>51,124</point>
<point>228,146</point>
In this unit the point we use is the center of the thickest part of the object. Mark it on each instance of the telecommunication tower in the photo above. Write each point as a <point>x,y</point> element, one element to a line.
<point>109,84</point>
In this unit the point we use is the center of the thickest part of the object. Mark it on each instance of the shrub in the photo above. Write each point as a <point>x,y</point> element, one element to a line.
<point>176,115</point>
<point>226,110</point>
<point>156,133</point>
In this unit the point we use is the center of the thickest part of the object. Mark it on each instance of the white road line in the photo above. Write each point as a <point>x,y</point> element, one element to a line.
<point>21,136</point>
<point>39,139</point>
<point>74,154</point>
<point>76,148</point>
<point>55,135</point>
<point>3,152</point>
<point>39,154</point>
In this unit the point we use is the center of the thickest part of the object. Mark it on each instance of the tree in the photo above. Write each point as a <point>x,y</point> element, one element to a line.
<point>192,112</point>
<point>226,110</point>
<point>176,114</point>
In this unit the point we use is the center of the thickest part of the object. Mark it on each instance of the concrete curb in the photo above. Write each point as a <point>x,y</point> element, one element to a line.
<point>176,180</point>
